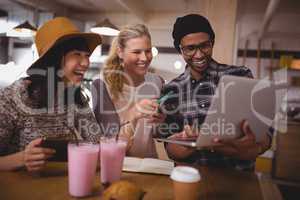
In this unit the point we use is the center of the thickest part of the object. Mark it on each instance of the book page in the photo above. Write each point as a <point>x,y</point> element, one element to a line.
<point>148,165</point>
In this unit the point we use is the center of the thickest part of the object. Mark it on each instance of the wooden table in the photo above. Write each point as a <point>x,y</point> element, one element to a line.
<point>53,184</point>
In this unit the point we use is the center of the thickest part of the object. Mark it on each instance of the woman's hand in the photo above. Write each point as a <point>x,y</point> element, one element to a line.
<point>157,118</point>
<point>35,156</point>
<point>145,108</point>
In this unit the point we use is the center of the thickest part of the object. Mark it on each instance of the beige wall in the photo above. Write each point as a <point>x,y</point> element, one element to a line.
<point>222,15</point>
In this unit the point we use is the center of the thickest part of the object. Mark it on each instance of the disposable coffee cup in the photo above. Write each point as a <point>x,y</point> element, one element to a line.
<point>186,183</point>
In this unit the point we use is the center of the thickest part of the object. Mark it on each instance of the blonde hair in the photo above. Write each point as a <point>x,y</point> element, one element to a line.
<point>113,69</point>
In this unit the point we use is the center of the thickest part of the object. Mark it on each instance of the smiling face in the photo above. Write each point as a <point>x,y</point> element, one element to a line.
<point>74,65</point>
<point>136,56</point>
<point>200,44</point>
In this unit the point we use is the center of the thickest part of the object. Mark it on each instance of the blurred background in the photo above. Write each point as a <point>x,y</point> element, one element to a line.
<point>261,34</point>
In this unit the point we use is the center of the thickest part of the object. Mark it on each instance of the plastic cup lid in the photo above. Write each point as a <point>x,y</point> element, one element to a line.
<point>185,174</point>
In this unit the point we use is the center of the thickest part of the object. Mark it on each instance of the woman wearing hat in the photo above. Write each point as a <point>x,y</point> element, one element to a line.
<point>50,101</point>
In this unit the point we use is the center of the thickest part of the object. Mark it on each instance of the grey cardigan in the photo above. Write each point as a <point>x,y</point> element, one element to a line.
<point>104,109</point>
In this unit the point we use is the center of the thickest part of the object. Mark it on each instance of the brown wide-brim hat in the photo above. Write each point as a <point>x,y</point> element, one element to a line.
<point>56,31</point>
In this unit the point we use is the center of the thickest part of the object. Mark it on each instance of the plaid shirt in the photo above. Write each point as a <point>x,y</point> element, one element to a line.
<point>189,104</point>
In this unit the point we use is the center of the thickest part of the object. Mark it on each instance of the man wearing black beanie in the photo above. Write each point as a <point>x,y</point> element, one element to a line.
<point>192,91</point>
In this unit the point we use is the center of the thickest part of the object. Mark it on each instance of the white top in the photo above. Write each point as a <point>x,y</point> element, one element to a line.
<point>185,174</point>
<point>143,144</point>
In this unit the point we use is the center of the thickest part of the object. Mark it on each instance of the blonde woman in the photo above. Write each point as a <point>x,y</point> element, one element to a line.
<point>132,91</point>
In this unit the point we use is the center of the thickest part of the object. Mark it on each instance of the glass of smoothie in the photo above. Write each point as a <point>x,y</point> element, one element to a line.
<point>112,153</point>
<point>82,163</point>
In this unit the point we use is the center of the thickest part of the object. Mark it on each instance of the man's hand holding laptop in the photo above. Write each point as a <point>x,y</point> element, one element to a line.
<point>187,134</point>
<point>244,148</point>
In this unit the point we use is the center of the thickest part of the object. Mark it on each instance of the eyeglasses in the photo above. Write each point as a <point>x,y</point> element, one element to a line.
<point>190,50</point>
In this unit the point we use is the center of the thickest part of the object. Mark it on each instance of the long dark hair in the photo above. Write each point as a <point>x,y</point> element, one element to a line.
<point>40,92</point>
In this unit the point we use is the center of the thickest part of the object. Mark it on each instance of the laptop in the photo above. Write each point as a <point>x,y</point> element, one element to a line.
<point>236,98</point>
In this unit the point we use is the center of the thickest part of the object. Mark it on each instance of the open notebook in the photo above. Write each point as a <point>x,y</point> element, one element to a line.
<point>148,165</point>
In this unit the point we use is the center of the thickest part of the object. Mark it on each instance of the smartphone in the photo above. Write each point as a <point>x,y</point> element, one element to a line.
<point>162,99</point>
<point>60,146</point>
<point>165,97</point>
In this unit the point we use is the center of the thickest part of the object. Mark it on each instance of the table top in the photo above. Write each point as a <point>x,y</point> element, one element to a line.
<point>216,183</point>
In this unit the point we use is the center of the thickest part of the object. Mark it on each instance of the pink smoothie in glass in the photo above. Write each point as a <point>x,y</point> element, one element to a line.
<point>82,163</point>
<point>112,154</point>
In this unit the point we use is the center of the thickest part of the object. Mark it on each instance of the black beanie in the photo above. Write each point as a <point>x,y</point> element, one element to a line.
<point>191,23</point>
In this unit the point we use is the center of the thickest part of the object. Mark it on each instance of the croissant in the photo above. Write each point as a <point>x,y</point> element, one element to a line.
<point>123,190</point>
